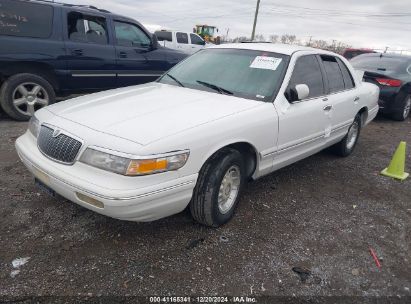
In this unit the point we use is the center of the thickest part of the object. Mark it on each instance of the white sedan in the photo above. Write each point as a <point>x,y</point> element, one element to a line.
<point>193,138</point>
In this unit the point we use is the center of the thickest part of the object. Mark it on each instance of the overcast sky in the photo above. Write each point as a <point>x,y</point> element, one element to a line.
<point>360,23</point>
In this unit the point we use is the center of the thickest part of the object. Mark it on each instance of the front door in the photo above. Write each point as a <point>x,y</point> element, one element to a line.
<point>197,43</point>
<point>302,123</point>
<point>91,60</point>
<point>137,61</point>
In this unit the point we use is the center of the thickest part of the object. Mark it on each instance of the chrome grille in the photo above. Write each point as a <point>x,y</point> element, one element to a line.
<point>61,148</point>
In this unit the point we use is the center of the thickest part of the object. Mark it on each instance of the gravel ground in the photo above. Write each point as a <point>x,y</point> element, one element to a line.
<point>319,217</point>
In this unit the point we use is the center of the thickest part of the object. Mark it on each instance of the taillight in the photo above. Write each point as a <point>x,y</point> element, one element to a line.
<point>389,82</point>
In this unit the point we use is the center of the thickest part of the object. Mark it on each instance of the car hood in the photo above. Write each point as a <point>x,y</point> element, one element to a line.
<point>147,113</point>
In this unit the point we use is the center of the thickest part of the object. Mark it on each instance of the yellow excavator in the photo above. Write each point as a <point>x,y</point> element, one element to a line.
<point>208,33</point>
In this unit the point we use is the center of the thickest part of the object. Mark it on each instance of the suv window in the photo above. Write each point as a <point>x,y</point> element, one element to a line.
<point>307,71</point>
<point>182,38</point>
<point>196,40</point>
<point>128,34</point>
<point>164,36</point>
<point>348,80</point>
<point>25,19</point>
<point>334,74</point>
<point>85,28</point>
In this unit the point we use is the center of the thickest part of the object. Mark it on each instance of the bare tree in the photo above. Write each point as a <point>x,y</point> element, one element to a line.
<point>273,38</point>
<point>288,39</point>
<point>259,37</point>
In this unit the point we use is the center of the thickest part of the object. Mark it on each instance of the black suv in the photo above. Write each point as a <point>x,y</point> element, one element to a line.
<point>50,49</point>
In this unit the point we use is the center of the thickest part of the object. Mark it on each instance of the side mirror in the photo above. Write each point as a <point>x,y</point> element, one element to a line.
<point>302,91</point>
<point>154,42</point>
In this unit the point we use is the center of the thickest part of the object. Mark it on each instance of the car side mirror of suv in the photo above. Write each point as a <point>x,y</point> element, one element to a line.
<point>302,91</point>
<point>154,42</point>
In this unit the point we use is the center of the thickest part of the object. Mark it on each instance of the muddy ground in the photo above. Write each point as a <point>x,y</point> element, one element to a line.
<point>321,215</point>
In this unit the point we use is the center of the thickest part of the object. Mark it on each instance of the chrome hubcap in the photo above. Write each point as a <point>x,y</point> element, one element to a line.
<point>407,107</point>
<point>352,135</point>
<point>29,97</point>
<point>229,189</point>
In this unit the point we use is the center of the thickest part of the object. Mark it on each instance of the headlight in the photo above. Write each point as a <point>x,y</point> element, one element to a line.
<point>34,126</point>
<point>132,167</point>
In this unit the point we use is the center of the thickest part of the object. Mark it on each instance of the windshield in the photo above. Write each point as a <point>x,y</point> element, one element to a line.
<point>384,64</point>
<point>242,73</point>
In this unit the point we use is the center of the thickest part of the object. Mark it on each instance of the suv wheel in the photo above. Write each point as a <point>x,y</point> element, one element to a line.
<point>404,111</point>
<point>23,94</point>
<point>346,146</point>
<point>218,188</point>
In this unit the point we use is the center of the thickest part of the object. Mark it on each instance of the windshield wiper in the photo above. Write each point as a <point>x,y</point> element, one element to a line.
<point>175,79</point>
<point>215,87</point>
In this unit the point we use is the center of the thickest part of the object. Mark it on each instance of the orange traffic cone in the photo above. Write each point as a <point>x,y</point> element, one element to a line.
<point>396,169</point>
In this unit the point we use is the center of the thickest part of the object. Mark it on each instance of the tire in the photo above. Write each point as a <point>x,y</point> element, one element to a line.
<point>22,94</point>
<point>346,146</point>
<point>403,111</point>
<point>215,183</point>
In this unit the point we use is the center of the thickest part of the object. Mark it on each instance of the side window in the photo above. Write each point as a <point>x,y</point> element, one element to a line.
<point>86,28</point>
<point>182,38</point>
<point>128,34</point>
<point>164,36</point>
<point>348,80</point>
<point>196,40</point>
<point>25,19</point>
<point>307,71</point>
<point>334,74</point>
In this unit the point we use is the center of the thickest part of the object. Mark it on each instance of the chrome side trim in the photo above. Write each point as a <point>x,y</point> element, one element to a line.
<point>93,75</point>
<point>138,75</point>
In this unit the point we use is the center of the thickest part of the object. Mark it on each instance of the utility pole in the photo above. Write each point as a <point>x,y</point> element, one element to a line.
<point>255,20</point>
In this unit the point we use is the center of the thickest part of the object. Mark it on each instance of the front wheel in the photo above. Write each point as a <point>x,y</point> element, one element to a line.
<point>218,188</point>
<point>346,146</point>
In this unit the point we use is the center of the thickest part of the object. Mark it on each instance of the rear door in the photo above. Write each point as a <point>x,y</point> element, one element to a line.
<point>90,57</point>
<point>137,61</point>
<point>183,42</point>
<point>302,123</point>
<point>342,98</point>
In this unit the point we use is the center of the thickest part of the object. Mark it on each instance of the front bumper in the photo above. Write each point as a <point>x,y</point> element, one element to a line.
<point>140,203</point>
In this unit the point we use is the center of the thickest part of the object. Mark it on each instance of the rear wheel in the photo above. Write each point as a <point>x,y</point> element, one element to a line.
<point>218,188</point>
<point>23,94</point>
<point>404,110</point>
<point>346,146</point>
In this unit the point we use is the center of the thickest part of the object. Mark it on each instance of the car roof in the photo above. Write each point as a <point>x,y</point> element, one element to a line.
<point>386,55</point>
<point>88,8</point>
<point>286,49</point>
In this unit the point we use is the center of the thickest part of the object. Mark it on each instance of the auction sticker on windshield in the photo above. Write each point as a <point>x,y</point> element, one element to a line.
<point>267,63</point>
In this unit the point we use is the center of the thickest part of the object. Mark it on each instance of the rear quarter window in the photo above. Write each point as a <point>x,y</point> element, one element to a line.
<point>164,36</point>
<point>25,19</point>
<point>348,79</point>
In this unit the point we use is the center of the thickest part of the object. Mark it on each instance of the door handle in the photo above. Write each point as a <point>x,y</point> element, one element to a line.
<point>77,52</point>
<point>356,98</point>
<point>325,99</point>
<point>328,108</point>
<point>122,54</point>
